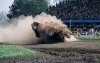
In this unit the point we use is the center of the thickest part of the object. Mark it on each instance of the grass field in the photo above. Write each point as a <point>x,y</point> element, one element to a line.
<point>13,51</point>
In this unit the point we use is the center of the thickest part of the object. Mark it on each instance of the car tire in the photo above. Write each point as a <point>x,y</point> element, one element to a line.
<point>34,27</point>
<point>50,32</point>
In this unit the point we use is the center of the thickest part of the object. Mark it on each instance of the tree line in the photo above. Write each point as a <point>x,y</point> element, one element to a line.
<point>27,7</point>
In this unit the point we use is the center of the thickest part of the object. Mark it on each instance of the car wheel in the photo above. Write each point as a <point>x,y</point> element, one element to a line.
<point>51,32</point>
<point>34,27</point>
<point>59,37</point>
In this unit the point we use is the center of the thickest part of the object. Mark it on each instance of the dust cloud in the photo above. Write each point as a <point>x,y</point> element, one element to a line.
<point>52,21</point>
<point>20,31</point>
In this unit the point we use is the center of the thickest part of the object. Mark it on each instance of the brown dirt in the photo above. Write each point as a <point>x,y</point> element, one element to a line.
<point>68,52</point>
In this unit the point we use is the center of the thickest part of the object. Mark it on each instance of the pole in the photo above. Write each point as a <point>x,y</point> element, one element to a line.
<point>70,24</point>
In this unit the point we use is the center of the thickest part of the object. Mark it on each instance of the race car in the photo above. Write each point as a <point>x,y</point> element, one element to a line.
<point>43,30</point>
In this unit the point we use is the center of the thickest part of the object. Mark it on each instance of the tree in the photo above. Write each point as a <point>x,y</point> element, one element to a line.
<point>27,7</point>
<point>3,16</point>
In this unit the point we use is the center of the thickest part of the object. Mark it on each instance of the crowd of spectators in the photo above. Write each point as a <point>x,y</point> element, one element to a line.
<point>76,9</point>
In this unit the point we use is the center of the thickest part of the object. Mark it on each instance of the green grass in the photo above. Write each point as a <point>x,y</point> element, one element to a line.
<point>88,37</point>
<point>13,51</point>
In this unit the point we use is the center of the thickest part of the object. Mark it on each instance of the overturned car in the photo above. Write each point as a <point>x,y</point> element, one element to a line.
<point>42,30</point>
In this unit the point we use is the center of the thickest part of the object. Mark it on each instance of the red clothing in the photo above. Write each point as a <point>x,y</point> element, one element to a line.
<point>79,30</point>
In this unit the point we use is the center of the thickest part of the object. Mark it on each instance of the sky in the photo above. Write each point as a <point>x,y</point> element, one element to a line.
<point>4,4</point>
<point>53,2</point>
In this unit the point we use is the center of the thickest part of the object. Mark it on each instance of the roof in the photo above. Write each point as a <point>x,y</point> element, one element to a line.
<point>81,21</point>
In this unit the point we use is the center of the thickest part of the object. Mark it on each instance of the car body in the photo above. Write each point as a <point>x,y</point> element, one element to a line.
<point>42,30</point>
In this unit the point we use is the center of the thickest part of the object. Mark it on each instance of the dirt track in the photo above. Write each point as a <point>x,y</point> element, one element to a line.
<point>68,52</point>
<point>78,44</point>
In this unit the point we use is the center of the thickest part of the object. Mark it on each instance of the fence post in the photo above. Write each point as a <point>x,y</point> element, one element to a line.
<point>86,34</point>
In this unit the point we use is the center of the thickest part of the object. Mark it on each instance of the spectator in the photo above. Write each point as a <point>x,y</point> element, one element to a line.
<point>77,9</point>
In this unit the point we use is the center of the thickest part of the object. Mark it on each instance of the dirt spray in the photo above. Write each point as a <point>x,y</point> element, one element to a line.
<point>20,31</point>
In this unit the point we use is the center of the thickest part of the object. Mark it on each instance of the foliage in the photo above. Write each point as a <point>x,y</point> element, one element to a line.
<point>27,7</point>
